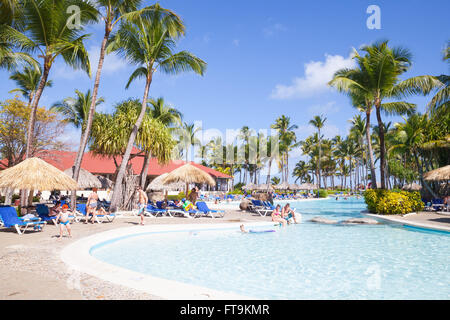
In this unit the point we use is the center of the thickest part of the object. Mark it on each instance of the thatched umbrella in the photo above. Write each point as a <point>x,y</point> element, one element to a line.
<point>282,186</point>
<point>250,186</point>
<point>36,174</point>
<point>189,174</point>
<point>158,185</point>
<point>294,186</point>
<point>105,182</point>
<point>264,187</point>
<point>438,174</point>
<point>308,186</point>
<point>85,179</point>
<point>412,187</point>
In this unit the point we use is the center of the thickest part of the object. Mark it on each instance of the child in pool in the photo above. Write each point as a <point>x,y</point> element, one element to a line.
<point>63,218</point>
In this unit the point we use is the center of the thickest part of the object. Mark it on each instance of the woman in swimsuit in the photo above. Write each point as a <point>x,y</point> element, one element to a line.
<point>276,216</point>
<point>91,205</point>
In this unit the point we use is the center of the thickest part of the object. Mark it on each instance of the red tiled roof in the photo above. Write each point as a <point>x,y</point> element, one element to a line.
<point>100,165</point>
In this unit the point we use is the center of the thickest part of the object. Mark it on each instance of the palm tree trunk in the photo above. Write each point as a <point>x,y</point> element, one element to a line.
<point>126,156</point>
<point>87,130</point>
<point>268,174</point>
<point>34,106</point>
<point>31,122</point>
<point>373,178</point>
<point>424,183</point>
<point>144,170</point>
<point>319,160</point>
<point>382,146</point>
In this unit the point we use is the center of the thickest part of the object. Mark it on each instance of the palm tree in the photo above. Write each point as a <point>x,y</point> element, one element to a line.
<point>287,141</point>
<point>148,44</point>
<point>275,180</point>
<point>28,81</point>
<point>318,122</point>
<point>168,116</point>
<point>187,138</point>
<point>301,172</point>
<point>377,78</point>
<point>48,35</point>
<point>75,109</point>
<point>113,12</point>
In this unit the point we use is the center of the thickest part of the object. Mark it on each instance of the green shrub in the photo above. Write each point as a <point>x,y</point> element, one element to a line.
<point>392,201</point>
<point>179,196</point>
<point>236,191</point>
<point>323,193</point>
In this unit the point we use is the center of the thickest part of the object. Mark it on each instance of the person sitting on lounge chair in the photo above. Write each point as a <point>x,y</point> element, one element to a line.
<point>287,213</point>
<point>276,216</point>
<point>187,205</point>
<point>53,212</point>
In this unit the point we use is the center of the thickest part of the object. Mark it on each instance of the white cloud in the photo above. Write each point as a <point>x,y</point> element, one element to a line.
<point>328,108</point>
<point>111,64</point>
<point>317,75</point>
<point>273,29</point>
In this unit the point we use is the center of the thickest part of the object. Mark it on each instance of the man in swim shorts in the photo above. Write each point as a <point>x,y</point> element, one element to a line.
<point>142,203</point>
<point>287,213</point>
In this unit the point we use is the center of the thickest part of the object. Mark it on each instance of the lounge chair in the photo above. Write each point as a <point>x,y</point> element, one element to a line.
<point>43,213</point>
<point>153,211</point>
<point>10,219</point>
<point>81,213</point>
<point>259,208</point>
<point>204,211</point>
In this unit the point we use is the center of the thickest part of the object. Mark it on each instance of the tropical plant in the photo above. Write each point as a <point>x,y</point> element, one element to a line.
<point>113,13</point>
<point>48,34</point>
<point>149,44</point>
<point>318,122</point>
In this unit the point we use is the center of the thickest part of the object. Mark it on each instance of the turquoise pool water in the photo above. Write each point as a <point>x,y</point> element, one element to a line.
<point>305,261</point>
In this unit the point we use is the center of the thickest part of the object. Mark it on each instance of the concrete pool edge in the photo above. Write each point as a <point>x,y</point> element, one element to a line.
<point>415,224</point>
<point>77,256</point>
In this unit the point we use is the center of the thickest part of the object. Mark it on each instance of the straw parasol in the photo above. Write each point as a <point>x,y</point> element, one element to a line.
<point>294,186</point>
<point>189,174</point>
<point>264,187</point>
<point>438,174</point>
<point>282,186</point>
<point>158,185</point>
<point>412,187</point>
<point>85,179</point>
<point>249,186</point>
<point>307,186</point>
<point>36,174</point>
<point>105,182</point>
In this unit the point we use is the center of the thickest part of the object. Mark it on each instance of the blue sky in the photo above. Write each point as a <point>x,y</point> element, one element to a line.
<point>266,59</point>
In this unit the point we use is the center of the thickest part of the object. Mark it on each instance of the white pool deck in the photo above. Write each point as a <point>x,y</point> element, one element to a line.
<point>77,256</point>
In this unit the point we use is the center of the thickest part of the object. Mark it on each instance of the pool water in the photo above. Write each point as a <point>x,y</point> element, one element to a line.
<point>304,261</point>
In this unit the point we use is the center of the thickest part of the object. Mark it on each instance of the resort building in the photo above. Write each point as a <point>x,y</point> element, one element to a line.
<point>106,167</point>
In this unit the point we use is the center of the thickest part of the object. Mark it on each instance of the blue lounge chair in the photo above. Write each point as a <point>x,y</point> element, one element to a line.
<point>81,212</point>
<point>10,220</point>
<point>203,210</point>
<point>154,211</point>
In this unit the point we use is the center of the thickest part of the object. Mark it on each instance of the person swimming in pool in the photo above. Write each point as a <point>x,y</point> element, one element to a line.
<point>276,216</point>
<point>63,218</point>
<point>243,229</point>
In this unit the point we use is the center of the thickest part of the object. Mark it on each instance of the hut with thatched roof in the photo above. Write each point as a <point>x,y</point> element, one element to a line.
<point>36,174</point>
<point>438,174</point>
<point>85,179</point>
<point>412,187</point>
<point>158,185</point>
<point>189,174</point>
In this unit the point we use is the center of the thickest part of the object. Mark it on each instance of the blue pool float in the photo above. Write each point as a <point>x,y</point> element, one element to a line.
<point>260,231</point>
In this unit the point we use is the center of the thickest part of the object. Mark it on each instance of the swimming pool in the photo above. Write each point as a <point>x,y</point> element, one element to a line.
<point>305,261</point>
